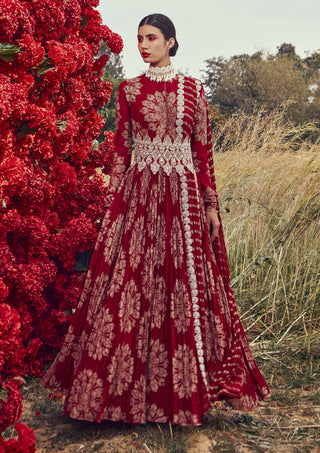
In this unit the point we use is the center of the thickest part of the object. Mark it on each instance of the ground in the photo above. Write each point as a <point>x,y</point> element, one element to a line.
<point>289,422</point>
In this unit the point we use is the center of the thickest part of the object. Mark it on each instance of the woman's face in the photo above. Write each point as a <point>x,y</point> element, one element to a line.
<point>153,47</point>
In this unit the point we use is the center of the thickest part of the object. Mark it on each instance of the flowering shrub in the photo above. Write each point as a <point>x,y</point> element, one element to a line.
<point>51,197</point>
<point>24,444</point>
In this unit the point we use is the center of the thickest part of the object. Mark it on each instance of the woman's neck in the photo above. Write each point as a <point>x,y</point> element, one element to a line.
<point>161,73</point>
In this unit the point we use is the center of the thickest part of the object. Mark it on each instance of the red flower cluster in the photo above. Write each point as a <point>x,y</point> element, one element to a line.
<point>52,199</point>
<point>11,365</point>
<point>24,444</point>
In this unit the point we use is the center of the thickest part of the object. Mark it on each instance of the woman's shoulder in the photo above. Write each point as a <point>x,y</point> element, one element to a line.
<point>192,83</point>
<point>132,81</point>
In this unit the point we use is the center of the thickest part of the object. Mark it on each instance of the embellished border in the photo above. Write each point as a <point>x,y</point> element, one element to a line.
<point>192,276</point>
<point>188,238</point>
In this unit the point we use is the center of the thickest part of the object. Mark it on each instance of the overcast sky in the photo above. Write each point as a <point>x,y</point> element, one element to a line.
<point>212,28</point>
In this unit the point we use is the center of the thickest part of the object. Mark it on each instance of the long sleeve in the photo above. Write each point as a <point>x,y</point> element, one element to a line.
<point>201,145</point>
<point>123,143</point>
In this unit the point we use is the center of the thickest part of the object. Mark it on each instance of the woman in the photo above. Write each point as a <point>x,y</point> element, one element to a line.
<point>156,336</point>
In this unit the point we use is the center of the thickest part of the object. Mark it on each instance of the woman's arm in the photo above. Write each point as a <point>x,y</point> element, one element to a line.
<point>201,145</point>
<point>123,143</point>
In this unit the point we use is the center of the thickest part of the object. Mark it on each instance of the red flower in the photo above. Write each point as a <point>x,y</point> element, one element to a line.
<point>64,176</point>
<point>51,197</point>
<point>33,52</point>
<point>15,18</point>
<point>4,290</point>
<point>26,442</point>
<point>100,63</point>
<point>55,396</point>
<point>113,40</point>
<point>13,174</point>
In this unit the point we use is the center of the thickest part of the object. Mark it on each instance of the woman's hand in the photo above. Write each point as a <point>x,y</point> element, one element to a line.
<point>213,223</point>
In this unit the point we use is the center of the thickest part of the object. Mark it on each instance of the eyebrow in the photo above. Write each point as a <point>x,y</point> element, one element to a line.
<point>150,34</point>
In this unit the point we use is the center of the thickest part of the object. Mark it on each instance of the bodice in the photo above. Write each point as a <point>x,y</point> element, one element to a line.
<point>162,120</point>
<point>169,125</point>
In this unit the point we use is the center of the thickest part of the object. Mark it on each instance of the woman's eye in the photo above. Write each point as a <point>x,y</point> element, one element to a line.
<point>152,38</point>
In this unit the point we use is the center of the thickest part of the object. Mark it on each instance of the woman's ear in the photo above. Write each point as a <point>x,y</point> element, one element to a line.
<point>171,43</point>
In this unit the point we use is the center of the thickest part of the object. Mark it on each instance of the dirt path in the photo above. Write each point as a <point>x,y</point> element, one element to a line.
<point>289,423</point>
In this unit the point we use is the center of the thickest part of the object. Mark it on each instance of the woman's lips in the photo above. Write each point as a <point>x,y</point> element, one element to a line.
<point>145,54</point>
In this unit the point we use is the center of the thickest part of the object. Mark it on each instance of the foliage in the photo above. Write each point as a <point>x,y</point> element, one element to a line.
<point>247,83</point>
<point>51,197</point>
<point>114,73</point>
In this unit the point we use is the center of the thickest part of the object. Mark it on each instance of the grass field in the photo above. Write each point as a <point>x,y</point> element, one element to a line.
<point>268,180</point>
<point>269,187</point>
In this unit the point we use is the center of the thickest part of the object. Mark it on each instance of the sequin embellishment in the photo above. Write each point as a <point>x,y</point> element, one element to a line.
<point>167,154</point>
<point>189,243</point>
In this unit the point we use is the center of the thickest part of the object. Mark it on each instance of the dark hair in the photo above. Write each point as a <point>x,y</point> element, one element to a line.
<point>165,25</point>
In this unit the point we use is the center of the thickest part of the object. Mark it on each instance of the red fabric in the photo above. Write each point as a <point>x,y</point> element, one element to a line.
<point>132,350</point>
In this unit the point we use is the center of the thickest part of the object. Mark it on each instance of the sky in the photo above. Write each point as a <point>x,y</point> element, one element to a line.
<point>213,28</point>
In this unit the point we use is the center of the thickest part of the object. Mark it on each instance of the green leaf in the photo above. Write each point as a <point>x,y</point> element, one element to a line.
<point>83,21</point>
<point>45,66</point>
<point>61,124</point>
<point>8,49</point>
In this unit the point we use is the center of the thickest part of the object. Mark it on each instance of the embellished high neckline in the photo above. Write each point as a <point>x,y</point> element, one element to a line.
<point>161,74</point>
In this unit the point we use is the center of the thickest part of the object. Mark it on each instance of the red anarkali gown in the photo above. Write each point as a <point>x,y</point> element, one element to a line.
<point>156,335</point>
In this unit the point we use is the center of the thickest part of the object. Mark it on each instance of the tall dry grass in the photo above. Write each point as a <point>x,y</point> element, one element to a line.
<point>268,179</point>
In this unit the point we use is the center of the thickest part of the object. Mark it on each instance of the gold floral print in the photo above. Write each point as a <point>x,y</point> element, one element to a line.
<point>156,414</point>
<point>161,240</point>
<point>174,187</point>
<point>158,364</point>
<point>113,413</point>
<point>68,341</point>
<point>129,307</point>
<point>79,349</point>
<point>113,233</point>
<point>159,308</point>
<point>155,109</point>
<point>96,294</point>
<point>118,168</point>
<point>176,242</point>
<point>138,400</point>
<point>185,378</point>
<point>120,370</point>
<point>200,128</point>
<point>180,307</point>
<point>185,418</point>
<point>143,335</point>
<point>117,279</point>
<point>132,89</point>
<point>137,242</point>
<point>85,395</point>
<point>145,187</point>
<point>101,338</point>
<point>148,272</point>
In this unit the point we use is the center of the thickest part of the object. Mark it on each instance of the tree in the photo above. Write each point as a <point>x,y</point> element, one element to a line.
<point>51,197</point>
<point>114,73</point>
<point>288,50</point>
<point>245,83</point>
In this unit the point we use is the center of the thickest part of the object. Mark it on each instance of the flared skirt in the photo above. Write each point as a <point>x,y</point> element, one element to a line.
<point>156,335</point>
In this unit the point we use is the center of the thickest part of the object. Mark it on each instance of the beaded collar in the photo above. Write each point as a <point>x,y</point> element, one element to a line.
<point>163,74</point>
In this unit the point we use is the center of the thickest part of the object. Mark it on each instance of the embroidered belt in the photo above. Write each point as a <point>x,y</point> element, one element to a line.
<point>166,154</point>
